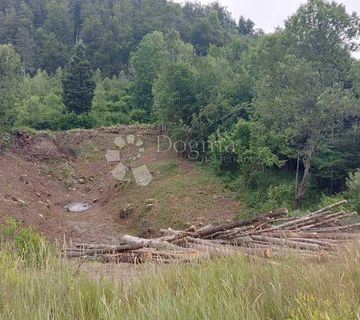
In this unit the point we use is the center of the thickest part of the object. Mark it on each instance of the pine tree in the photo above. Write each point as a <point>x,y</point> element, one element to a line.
<point>78,82</point>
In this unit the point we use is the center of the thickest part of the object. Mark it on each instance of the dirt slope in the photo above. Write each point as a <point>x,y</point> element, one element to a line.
<point>43,173</point>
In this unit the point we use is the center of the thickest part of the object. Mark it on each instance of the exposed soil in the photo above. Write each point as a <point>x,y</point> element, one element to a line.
<point>43,173</point>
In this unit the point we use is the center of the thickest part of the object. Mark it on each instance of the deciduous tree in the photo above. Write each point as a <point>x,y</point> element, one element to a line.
<point>10,79</point>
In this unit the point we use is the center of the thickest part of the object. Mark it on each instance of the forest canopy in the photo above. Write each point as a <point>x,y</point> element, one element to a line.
<point>275,114</point>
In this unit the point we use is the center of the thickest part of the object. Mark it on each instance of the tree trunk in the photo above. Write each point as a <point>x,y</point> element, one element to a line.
<point>308,158</point>
<point>301,189</point>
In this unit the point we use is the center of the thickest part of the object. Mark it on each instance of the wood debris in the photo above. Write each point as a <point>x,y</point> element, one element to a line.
<point>319,233</point>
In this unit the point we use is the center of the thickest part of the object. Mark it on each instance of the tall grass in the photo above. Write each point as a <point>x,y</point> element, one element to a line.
<point>232,288</point>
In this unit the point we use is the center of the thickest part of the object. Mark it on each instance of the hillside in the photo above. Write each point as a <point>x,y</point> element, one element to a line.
<point>247,209</point>
<point>43,173</point>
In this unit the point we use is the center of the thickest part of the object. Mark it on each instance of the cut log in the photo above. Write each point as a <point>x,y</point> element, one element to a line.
<point>237,224</point>
<point>328,219</point>
<point>288,243</point>
<point>323,243</point>
<point>309,216</point>
<point>223,251</point>
<point>229,234</point>
<point>133,257</point>
<point>104,250</point>
<point>317,234</point>
<point>298,222</point>
<point>313,235</point>
<point>327,208</point>
<point>151,243</point>
<point>337,229</point>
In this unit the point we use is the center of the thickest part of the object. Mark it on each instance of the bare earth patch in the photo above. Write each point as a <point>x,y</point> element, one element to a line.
<point>44,173</point>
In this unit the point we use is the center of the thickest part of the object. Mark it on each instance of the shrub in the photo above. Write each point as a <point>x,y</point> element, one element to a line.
<point>138,115</point>
<point>25,242</point>
<point>5,140</point>
<point>353,190</point>
<point>264,190</point>
<point>80,121</point>
<point>279,196</point>
<point>41,114</point>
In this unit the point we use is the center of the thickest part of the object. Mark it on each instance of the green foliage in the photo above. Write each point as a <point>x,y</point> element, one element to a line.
<point>194,99</point>
<point>232,288</point>
<point>40,115</point>
<point>286,102</point>
<point>208,31</point>
<point>53,37</point>
<point>245,145</point>
<point>353,189</point>
<point>325,201</point>
<point>10,78</point>
<point>338,155</point>
<point>246,26</point>
<point>112,102</point>
<point>41,106</point>
<point>44,31</point>
<point>51,53</point>
<point>24,41</point>
<point>174,94</point>
<point>78,83</point>
<point>265,190</point>
<point>25,242</point>
<point>324,33</point>
<point>146,62</point>
<point>71,120</point>
<point>303,96</point>
<point>279,196</point>
<point>5,140</point>
<point>58,22</point>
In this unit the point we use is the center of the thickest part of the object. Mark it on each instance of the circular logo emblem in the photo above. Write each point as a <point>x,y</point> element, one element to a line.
<point>141,174</point>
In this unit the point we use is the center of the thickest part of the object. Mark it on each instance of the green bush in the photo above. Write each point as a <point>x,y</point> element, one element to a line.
<point>279,196</point>
<point>108,118</point>
<point>25,242</point>
<point>223,155</point>
<point>112,101</point>
<point>79,121</point>
<point>138,115</point>
<point>326,200</point>
<point>264,190</point>
<point>5,139</point>
<point>41,114</point>
<point>353,190</point>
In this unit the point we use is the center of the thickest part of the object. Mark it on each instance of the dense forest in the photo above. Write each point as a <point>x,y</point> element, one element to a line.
<point>276,115</point>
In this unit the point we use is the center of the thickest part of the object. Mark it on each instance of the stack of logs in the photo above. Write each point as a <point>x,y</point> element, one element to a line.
<point>273,234</point>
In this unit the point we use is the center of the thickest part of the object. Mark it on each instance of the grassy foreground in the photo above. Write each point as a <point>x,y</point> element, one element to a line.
<point>36,284</point>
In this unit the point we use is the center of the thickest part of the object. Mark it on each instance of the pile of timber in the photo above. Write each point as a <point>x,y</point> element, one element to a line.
<point>273,234</point>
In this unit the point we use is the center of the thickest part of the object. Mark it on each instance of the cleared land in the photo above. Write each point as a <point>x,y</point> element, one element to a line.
<point>44,172</point>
